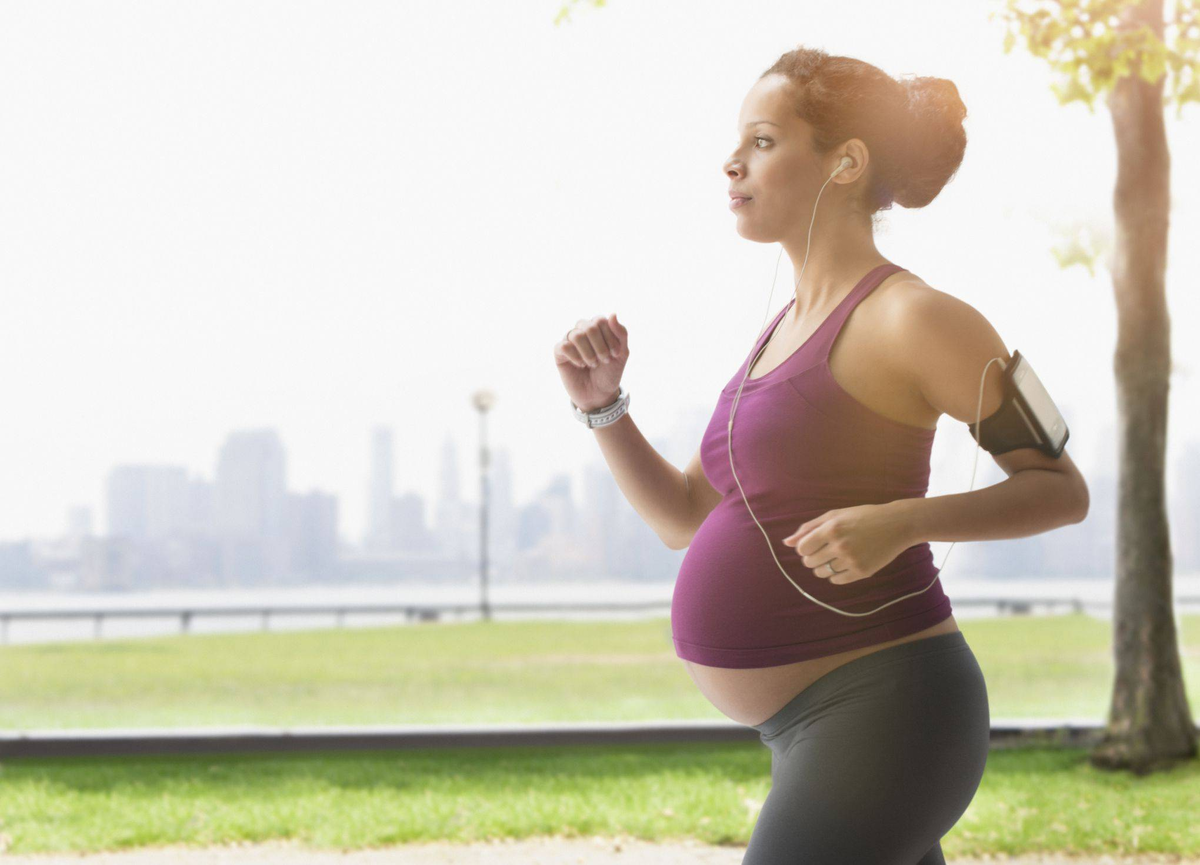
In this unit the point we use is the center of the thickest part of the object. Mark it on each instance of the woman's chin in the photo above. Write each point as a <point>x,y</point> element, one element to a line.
<point>749,232</point>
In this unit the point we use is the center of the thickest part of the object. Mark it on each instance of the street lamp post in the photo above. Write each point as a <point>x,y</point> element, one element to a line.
<point>483,400</point>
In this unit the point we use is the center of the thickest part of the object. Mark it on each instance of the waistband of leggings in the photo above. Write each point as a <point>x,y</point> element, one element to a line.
<point>814,693</point>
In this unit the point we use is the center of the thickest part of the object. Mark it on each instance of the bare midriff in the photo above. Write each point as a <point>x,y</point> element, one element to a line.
<point>751,696</point>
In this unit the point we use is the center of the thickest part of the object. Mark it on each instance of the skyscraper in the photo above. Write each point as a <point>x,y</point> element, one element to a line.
<point>379,502</point>
<point>251,498</point>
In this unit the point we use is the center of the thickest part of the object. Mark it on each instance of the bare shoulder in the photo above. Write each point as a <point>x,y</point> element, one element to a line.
<point>943,344</point>
<point>912,298</point>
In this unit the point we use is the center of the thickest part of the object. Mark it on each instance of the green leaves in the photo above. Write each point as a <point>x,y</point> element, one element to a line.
<point>1094,44</point>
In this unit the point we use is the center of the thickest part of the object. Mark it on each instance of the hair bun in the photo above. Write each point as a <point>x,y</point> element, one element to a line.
<point>927,94</point>
<point>936,139</point>
<point>912,126</point>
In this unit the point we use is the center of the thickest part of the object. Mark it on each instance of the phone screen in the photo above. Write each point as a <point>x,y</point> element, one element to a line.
<point>1040,403</point>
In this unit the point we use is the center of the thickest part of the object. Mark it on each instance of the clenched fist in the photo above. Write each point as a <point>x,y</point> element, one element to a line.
<point>591,359</point>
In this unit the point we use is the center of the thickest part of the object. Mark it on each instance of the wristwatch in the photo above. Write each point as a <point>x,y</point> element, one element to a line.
<point>606,415</point>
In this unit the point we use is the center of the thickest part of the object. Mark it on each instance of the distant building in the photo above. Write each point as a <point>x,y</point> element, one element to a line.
<point>378,536</point>
<point>251,501</point>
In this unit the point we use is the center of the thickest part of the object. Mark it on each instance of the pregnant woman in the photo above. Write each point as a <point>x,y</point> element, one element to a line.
<point>878,723</point>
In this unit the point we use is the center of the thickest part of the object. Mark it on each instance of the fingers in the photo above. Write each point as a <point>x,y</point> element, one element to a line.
<point>596,342</point>
<point>572,354</point>
<point>826,551</point>
<point>613,343</point>
<point>829,571</point>
<point>839,572</point>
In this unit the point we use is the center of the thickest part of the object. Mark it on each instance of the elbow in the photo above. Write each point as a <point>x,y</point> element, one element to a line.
<point>681,540</point>
<point>679,544</point>
<point>1071,495</point>
<point>1083,502</point>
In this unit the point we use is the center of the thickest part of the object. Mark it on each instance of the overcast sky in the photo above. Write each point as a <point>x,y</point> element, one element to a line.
<point>324,216</point>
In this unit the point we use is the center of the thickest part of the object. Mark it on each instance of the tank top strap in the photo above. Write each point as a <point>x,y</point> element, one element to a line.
<point>766,334</point>
<point>832,326</point>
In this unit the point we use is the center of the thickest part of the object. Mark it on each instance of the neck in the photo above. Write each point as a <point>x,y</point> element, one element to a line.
<point>839,257</point>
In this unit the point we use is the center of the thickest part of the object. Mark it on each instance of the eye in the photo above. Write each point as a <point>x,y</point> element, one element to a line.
<point>756,140</point>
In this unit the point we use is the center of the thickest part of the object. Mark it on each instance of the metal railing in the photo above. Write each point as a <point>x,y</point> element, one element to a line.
<point>1005,733</point>
<point>435,612</point>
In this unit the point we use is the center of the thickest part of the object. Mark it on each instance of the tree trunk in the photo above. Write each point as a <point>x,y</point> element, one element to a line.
<point>1149,724</point>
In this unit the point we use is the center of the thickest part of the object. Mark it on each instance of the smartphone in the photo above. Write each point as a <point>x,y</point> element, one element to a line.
<point>1035,407</point>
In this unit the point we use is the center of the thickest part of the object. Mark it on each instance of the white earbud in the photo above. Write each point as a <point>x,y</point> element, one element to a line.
<point>842,166</point>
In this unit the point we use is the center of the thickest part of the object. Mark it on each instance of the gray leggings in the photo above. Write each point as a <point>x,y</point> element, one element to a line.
<point>876,760</point>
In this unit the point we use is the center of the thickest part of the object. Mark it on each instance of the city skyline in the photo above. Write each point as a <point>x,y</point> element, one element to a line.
<point>380,476</point>
<point>246,527</point>
<point>211,228</point>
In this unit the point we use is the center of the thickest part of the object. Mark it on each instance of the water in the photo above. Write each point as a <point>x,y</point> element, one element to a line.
<point>579,594</point>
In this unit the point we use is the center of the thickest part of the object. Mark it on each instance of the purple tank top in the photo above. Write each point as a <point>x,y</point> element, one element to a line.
<point>802,445</point>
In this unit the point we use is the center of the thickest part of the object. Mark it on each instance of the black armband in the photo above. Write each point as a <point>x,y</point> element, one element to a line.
<point>1027,417</point>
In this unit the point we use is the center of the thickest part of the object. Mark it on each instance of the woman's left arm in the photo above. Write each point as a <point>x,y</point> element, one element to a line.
<point>944,344</point>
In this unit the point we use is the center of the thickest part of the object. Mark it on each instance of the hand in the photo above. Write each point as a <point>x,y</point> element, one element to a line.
<point>591,359</point>
<point>858,541</point>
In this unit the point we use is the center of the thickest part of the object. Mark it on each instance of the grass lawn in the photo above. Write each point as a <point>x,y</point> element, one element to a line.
<point>1030,800</point>
<point>485,672</point>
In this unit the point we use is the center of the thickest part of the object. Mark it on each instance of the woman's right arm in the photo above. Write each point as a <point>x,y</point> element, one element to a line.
<point>652,485</point>
<point>591,359</point>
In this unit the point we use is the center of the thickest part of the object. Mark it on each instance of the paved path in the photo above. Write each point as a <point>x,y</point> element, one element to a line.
<point>535,851</point>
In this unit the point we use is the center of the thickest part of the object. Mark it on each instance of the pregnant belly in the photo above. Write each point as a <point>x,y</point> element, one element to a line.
<point>739,602</point>
<point>751,696</point>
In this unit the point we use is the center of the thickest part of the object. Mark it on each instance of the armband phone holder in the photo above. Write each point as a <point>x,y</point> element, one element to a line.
<point>1027,417</point>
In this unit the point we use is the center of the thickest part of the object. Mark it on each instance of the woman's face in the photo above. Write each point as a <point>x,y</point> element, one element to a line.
<point>774,164</point>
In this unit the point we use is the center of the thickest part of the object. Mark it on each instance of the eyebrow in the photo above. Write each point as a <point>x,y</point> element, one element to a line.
<point>755,122</point>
